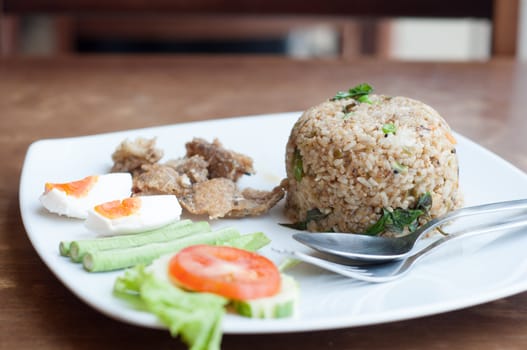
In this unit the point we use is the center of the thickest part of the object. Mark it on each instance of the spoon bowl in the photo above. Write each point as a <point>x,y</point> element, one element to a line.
<point>356,246</point>
<point>366,248</point>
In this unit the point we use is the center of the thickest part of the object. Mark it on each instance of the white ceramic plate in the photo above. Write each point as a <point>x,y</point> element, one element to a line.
<point>464,274</point>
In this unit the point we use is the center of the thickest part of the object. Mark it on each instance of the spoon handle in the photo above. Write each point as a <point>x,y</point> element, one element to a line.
<point>469,211</point>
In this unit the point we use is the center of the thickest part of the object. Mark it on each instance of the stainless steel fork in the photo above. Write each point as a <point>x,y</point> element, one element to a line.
<point>390,271</point>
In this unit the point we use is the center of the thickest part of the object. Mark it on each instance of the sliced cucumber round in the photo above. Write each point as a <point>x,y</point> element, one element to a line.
<point>281,305</point>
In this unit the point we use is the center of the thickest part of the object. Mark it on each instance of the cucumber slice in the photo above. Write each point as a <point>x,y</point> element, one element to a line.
<point>281,305</point>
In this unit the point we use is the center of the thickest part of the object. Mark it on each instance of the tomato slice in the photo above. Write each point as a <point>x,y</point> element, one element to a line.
<point>231,272</point>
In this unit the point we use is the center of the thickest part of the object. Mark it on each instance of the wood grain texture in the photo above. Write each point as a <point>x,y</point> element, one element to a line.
<point>77,96</point>
<point>505,27</point>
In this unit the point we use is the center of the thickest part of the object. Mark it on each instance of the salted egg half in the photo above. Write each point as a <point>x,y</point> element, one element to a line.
<point>133,214</point>
<point>75,198</point>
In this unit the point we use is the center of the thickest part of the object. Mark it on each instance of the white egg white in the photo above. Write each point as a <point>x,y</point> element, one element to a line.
<point>154,212</point>
<point>108,187</point>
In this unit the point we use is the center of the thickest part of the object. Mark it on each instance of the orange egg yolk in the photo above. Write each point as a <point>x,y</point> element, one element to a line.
<point>118,209</point>
<point>77,189</point>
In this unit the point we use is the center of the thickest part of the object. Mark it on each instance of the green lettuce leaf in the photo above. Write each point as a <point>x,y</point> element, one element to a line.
<point>195,317</point>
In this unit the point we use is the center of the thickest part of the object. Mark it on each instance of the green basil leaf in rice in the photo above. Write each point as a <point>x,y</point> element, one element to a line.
<point>424,202</point>
<point>357,92</point>
<point>389,128</point>
<point>341,95</point>
<point>298,166</point>
<point>361,89</point>
<point>299,225</point>
<point>396,221</point>
<point>399,168</point>
<point>379,226</point>
<point>311,215</point>
<point>364,99</point>
<point>401,218</point>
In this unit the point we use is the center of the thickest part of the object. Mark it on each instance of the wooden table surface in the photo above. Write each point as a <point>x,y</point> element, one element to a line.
<point>42,98</point>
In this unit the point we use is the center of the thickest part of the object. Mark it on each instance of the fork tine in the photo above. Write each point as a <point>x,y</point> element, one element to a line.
<point>359,270</point>
<point>349,267</point>
<point>348,271</point>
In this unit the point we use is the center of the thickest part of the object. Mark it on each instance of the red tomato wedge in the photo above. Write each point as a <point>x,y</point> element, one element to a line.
<point>230,272</point>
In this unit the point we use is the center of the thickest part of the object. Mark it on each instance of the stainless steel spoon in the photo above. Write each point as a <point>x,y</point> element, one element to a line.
<point>389,271</point>
<point>365,248</point>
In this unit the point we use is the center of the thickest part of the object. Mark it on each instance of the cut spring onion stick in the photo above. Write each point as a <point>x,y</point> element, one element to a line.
<point>114,259</point>
<point>64,248</point>
<point>251,242</point>
<point>166,233</point>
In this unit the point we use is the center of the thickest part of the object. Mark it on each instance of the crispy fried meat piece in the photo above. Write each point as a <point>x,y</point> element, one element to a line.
<point>214,197</point>
<point>255,202</point>
<point>221,198</point>
<point>161,179</point>
<point>204,180</point>
<point>195,167</point>
<point>222,162</point>
<point>131,155</point>
<point>173,177</point>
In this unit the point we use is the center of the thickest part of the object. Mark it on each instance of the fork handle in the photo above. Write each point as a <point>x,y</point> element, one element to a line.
<point>504,225</point>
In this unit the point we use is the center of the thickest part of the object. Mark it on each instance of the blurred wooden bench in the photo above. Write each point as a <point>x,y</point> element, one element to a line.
<point>177,19</point>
